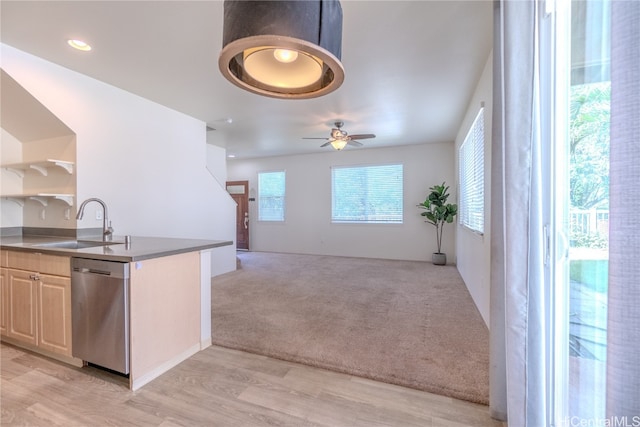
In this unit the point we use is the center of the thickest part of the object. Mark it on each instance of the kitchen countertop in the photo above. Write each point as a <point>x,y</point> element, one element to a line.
<point>139,249</point>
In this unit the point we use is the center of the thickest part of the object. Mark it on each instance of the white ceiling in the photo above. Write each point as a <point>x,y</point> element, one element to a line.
<point>410,67</point>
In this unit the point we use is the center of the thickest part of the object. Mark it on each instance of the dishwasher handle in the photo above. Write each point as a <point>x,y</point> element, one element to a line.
<point>85,270</point>
<point>102,268</point>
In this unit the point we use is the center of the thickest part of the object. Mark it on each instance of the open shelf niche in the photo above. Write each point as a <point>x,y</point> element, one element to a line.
<point>38,152</point>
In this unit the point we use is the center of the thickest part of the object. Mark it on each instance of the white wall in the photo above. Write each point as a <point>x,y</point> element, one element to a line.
<point>473,250</point>
<point>223,259</point>
<point>217,164</point>
<point>308,229</point>
<point>146,161</point>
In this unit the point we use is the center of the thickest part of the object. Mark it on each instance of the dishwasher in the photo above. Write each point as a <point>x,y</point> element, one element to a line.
<point>100,313</point>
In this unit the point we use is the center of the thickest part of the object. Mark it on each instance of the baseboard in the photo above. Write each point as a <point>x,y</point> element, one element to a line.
<point>497,415</point>
<point>205,343</point>
<point>73,361</point>
<point>136,383</point>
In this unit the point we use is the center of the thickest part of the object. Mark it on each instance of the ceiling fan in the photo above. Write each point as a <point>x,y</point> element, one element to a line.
<point>340,138</point>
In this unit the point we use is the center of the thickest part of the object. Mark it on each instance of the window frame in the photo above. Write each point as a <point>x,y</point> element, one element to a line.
<point>335,220</point>
<point>471,213</point>
<point>283,196</point>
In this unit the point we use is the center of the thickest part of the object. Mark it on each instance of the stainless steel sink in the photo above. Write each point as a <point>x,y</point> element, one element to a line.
<point>75,244</point>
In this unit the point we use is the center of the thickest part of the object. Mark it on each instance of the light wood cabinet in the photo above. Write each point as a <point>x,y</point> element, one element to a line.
<point>165,296</point>
<point>4,295</point>
<point>38,262</point>
<point>37,299</point>
<point>54,314</point>
<point>22,322</point>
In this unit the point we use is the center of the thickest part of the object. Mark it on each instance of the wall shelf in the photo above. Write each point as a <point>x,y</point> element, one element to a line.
<point>42,167</point>
<point>42,198</point>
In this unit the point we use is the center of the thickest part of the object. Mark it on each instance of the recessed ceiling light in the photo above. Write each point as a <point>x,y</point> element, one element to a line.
<point>231,156</point>
<point>79,44</point>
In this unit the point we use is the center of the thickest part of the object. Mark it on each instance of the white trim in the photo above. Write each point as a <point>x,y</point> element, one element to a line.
<point>161,369</point>
<point>205,298</point>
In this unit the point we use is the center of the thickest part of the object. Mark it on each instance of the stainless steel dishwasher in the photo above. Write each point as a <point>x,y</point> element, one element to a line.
<point>100,312</point>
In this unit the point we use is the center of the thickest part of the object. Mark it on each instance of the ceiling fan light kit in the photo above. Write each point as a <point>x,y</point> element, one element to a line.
<point>283,49</point>
<point>338,144</point>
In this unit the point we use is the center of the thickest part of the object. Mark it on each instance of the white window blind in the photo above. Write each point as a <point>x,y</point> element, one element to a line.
<point>471,170</point>
<point>367,194</point>
<point>271,196</point>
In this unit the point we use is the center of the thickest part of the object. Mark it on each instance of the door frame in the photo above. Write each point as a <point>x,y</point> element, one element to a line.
<point>242,213</point>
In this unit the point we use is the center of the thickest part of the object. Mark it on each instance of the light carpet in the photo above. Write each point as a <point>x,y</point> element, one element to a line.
<point>402,322</point>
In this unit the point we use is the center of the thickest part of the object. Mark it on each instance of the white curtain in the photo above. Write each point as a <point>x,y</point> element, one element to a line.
<point>517,274</point>
<point>623,328</point>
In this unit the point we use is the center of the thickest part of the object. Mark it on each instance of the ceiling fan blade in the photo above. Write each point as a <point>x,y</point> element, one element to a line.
<point>363,136</point>
<point>315,138</point>
<point>354,143</point>
<point>325,144</point>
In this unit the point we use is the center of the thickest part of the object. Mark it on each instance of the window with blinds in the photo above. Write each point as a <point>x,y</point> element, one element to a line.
<point>271,196</point>
<point>471,170</point>
<point>367,194</point>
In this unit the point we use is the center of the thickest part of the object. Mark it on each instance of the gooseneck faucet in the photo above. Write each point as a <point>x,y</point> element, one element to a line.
<point>107,231</point>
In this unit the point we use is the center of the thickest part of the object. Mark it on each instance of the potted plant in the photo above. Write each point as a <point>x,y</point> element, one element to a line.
<point>438,212</point>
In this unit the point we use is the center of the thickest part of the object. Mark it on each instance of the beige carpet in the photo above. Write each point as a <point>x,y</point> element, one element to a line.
<point>402,322</point>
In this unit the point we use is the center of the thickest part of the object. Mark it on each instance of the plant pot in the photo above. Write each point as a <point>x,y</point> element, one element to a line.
<point>439,258</point>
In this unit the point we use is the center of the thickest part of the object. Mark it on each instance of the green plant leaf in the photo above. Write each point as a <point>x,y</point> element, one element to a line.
<point>437,210</point>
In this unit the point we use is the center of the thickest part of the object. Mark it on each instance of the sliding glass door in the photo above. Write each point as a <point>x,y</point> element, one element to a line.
<point>583,92</point>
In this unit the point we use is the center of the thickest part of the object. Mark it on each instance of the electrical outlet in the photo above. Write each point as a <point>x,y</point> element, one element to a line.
<point>98,214</point>
<point>67,214</point>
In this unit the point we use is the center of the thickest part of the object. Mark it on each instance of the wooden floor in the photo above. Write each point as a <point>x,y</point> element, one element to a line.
<point>217,387</point>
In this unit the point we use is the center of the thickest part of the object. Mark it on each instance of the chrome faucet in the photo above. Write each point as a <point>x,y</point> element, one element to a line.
<point>107,231</point>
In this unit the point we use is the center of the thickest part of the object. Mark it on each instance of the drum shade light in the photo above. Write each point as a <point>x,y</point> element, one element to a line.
<point>283,49</point>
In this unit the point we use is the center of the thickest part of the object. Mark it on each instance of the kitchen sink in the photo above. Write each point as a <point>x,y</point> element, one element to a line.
<point>75,244</point>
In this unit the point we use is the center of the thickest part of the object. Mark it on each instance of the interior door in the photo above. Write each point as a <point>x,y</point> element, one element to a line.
<point>239,191</point>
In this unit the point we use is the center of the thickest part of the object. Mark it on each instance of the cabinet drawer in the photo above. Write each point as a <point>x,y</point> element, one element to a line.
<point>24,260</point>
<point>55,265</point>
<point>3,258</point>
<point>39,262</point>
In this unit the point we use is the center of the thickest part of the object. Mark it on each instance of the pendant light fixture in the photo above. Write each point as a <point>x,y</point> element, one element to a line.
<point>283,49</point>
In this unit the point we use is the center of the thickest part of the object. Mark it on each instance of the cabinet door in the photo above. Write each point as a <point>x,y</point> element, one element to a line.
<point>4,301</point>
<point>54,314</point>
<point>22,306</point>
